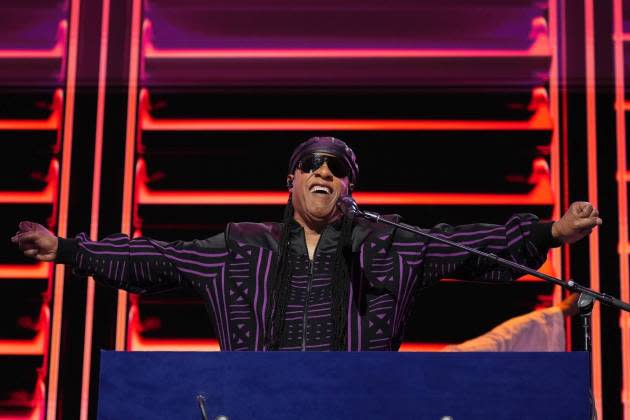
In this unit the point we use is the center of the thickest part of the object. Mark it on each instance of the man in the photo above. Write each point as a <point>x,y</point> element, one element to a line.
<point>318,280</point>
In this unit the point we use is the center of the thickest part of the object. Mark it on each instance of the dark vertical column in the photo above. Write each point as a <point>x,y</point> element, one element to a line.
<point>574,139</point>
<point>79,207</point>
<point>110,182</point>
<point>574,130</point>
<point>607,191</point>
<point>575,149</point>
<point>112,178</point>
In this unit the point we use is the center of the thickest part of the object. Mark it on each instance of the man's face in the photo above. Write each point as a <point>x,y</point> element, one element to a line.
<point>315,195</point>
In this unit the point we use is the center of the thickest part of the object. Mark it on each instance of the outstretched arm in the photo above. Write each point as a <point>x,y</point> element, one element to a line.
<point>137,265</point>
<point>523,239</point>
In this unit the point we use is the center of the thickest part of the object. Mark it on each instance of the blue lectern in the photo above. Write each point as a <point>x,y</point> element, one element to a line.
<point>437,386</point>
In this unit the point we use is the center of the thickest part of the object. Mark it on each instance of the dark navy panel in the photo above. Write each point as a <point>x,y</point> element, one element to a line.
<point>156,385</point>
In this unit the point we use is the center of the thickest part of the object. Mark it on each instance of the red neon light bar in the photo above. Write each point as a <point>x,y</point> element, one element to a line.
<point>540,195</point>
<point>37,405</point>
<point>53,122</point>
<point>54,349</point>
<point>591,134</point>
<point>32,347</point>
<point>130,142</point>
<point>25,271</point>
<point>54,52</point>
<point>539,48</point>
<point>535,50</point>
<point>138,343</point>
<point>45,196</point>
<point>540,120</point>
<point>57,51</point>
<point>622,199</point>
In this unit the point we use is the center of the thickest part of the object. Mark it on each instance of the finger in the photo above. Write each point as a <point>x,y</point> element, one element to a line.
<point>26,226</point>
<point>585,209</point>
<point>587,223</point>
<point>31,252</point>
<point>28,236</point>
<point>594,213</point>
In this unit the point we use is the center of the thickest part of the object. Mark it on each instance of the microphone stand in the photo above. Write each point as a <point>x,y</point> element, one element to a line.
<point>587,296</point>
<point>351,209</point>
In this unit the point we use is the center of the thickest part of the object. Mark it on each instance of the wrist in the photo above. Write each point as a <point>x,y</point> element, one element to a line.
<point>66,250</point>
<point>543,236</point>
<point>554,231</point>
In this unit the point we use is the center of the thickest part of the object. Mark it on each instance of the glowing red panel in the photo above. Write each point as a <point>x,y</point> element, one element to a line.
<point>622,197</point>
<point>539,121</point>
<point>591,139</point>
<point>33,347</point>
<point>25,271</point>
<point>52,123</point>
<point>96,193</point>
<point>45,196</point>
<point>57,51</point>
<point>539,48</point>
<point>540,195</point>
<point>130,141</point>
<point>64,187</point>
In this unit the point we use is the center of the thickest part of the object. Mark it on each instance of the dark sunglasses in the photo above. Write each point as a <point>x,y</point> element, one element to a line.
<point>315,161</point>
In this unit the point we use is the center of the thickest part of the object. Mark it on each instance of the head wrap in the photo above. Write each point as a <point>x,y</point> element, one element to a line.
<point>330,145</point>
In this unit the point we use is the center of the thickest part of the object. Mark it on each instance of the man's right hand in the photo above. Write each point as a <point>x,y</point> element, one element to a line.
<point>36,241</point>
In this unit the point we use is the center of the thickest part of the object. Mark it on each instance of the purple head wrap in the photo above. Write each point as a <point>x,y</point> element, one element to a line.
<point>330,145</point>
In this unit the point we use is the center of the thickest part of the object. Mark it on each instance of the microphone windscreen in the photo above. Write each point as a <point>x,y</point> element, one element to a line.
<point>347,205</point>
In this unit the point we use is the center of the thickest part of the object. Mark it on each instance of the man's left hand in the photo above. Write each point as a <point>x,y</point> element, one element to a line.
<point>576,223</point>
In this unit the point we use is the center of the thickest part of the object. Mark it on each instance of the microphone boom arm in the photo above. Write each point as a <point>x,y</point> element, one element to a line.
<point>349,207</point>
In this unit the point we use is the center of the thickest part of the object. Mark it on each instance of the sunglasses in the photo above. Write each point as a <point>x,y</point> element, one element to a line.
<point>315,161</point>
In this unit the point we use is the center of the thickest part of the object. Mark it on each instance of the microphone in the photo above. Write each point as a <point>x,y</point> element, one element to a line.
<point>348,206</point>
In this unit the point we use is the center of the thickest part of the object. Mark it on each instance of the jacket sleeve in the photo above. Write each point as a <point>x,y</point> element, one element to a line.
<point>143,265</point>
<point>523,239</point>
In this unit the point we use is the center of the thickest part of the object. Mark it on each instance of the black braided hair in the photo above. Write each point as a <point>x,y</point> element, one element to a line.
<point>280,285</point>
<point>341,284</point>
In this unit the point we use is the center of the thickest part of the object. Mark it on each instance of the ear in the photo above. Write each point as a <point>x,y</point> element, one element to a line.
<point>290,181</point>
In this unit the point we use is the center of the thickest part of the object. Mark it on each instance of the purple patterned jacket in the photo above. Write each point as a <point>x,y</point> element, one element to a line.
<point>231,273</point>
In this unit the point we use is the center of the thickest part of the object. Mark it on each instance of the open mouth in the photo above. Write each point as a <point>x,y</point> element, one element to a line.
<point>321,189</point>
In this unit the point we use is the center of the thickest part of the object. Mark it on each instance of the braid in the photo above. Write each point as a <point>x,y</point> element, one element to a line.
<point>279,285</point>
<point>341,285</point>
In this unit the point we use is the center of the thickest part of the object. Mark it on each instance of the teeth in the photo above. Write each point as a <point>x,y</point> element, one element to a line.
<point>320,188</point>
